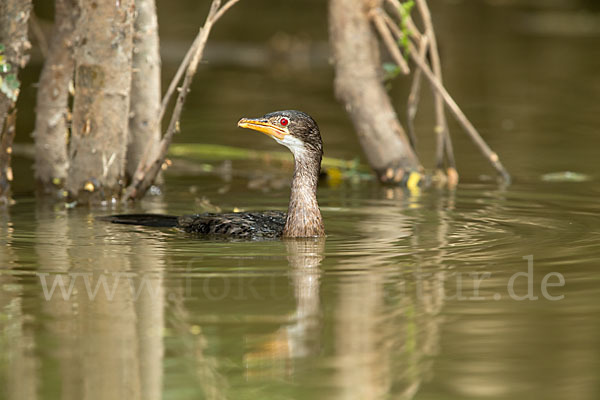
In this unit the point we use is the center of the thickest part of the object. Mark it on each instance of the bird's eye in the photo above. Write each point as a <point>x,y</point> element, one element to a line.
<point>284,121</point>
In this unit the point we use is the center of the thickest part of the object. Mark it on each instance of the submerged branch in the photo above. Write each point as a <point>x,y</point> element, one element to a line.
<point>146,173</point>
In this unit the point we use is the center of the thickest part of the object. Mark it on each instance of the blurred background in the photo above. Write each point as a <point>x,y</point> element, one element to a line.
<point>506,62</point>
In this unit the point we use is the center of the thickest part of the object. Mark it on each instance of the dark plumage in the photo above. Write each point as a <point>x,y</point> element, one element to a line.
<point>293,129</point>
<point>256,225</point>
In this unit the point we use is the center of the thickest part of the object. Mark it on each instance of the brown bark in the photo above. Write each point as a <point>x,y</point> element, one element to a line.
<point>358,85</point>
<point>144,123</point>
<point>101,100</point>
<point>7,135</point>
<point>14,18</point>
<point>51,124</point>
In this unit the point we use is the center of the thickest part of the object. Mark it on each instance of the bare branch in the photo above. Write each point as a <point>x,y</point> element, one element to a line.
<point>440,93</point>
<point>410,24</point>
<point>388,39</point>
<point>412,103</point>
<point>452,106</point>
<point>146,173</point>
<point>188,56</point>
<point>413,97</point>
<point>224,9</point>
<point>395,29</point>
<point>460,115</point>
<point>444,142</point>
<point>180,71</point>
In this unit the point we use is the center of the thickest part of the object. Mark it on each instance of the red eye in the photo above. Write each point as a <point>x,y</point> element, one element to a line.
<point>284,121</point>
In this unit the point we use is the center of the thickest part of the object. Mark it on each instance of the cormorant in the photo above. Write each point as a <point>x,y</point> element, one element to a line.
<point>299,133</point>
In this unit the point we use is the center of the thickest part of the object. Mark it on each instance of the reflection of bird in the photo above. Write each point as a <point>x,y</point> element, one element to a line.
<point>298,132</point>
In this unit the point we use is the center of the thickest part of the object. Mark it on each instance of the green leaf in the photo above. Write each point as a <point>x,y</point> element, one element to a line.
<point>390,67</point>
<point>12,81</point>
<point>390,70</point>
<point>10,86</point>
<point>405,10</point>
<point>1,48</point>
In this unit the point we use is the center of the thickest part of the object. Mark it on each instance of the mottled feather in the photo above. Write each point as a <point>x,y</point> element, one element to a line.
<point>247,225</point>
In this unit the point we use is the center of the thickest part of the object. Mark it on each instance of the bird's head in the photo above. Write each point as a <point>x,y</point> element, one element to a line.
<point>293,129</point>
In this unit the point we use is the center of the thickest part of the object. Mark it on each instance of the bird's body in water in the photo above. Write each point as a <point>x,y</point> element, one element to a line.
<point>298,132</point>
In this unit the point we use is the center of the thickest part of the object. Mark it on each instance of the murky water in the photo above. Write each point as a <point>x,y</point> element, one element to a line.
<point>482,292</point>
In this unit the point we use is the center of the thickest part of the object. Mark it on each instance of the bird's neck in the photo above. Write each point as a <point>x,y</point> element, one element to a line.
<point>304,217</point>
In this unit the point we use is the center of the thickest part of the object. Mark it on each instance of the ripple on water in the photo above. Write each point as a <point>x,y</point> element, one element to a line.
<point>388,295</point>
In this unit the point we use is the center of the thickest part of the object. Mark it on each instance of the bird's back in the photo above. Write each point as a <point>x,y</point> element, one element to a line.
<point>243,225</point>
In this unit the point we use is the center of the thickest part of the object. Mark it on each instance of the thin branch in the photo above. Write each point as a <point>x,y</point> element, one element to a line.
<point>412,104</point>
<point>454,108</point>
<point>461,117</point>
<point>177,77</point>
<point>413,97</point>
<point>186,60</point>
<point>445,142</point>
<point>389,42</point>
<point>223,10</point>
<point>441,129</point>
<point>146,173</point>
<point>415,35</point>
<point>410,24</point>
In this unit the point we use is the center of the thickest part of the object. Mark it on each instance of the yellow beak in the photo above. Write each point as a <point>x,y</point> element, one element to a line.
<point>264,126</point>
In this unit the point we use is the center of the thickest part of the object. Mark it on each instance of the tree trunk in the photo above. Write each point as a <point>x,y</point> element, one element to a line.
<point>51,126</point>
<point>358,85</point>
<point>7,135</point>
<point>14,17</point>
<point>101,101</point>
<point>144,126</point>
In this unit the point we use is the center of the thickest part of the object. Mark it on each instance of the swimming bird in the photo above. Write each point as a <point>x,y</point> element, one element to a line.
<point>300,134</point>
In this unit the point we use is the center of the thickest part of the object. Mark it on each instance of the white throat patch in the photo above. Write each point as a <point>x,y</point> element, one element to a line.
<point>295,145</point>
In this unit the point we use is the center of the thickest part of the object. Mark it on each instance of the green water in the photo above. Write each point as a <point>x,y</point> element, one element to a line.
<point>483,292</point>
